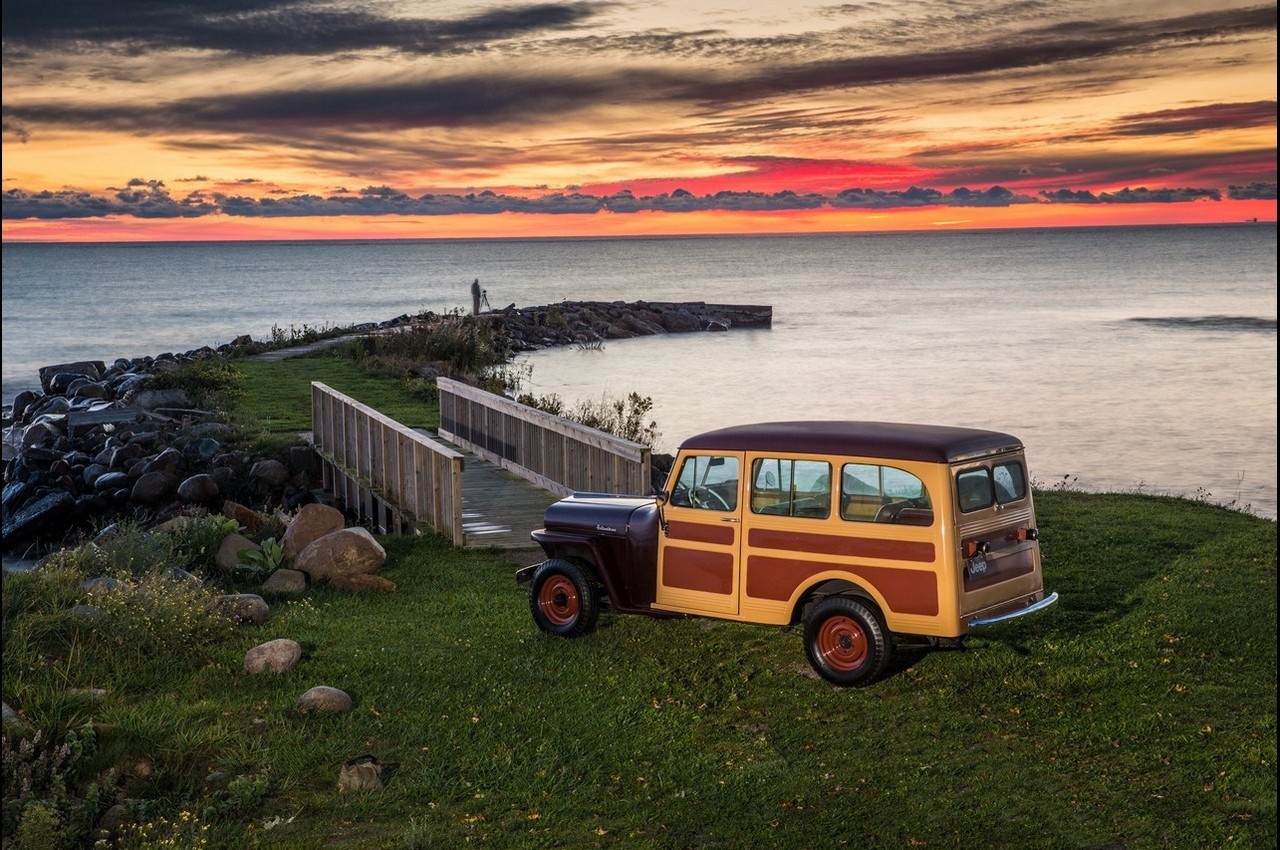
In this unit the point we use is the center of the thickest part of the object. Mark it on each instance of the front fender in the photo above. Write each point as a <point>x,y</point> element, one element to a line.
<point>601,559</point>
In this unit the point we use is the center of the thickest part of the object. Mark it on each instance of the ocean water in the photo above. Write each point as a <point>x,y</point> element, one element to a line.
<point>1125,358</point>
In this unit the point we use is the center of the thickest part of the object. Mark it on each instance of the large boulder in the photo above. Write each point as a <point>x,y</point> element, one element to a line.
<point>153,488</point>
<point>51,513</point>
<point>351,551</point>
<point>272,473</point>
<point>312,522</point>
<point>91,369</point>
<point>200,489</point>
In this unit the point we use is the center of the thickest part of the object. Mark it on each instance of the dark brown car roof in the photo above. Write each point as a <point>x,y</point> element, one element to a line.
<point>936,443</point>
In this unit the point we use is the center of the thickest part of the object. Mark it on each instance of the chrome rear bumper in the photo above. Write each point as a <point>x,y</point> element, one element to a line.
<point>1013,615</point>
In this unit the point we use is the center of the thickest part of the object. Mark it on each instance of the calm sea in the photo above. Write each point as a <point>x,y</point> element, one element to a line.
<point>1125,358</point>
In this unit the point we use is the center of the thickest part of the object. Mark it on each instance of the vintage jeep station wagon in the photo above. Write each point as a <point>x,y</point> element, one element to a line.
<point>865,532</point>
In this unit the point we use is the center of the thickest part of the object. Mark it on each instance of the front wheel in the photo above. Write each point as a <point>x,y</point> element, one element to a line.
<point>846,642</point>
<point>563,599</point>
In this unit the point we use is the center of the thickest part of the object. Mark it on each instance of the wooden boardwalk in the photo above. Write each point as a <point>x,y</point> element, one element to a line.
<point>499,508</point>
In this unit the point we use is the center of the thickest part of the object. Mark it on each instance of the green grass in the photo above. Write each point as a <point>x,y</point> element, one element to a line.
<point>1137,713</point>
<point>277,395</point>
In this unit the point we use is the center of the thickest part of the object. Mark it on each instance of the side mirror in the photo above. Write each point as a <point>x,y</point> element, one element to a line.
<point>659,496</point>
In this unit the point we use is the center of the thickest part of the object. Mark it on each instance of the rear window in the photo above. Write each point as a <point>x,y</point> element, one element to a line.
<point>986,486</point>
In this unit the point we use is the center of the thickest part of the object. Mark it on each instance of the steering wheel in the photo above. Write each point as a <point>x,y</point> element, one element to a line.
<point>704,497</point>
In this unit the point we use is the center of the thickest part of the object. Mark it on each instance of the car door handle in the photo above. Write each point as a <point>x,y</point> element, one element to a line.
<point>729,519</point>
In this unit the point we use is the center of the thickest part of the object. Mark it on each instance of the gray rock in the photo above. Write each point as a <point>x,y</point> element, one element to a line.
<point>101,584</point>
<point>181,576</point>
<point>202,450</point>
<point>43,431</point>
<point>93,472</point>
<point>302,459</point>
<point>274,656</point>
<point>325,699</point>
<point>91,369</point>
<point>51,514</point>
<point>151,399</point>
<point>111,481</point>
<point>114,818</point>
<point>229,552</point>
<point>244,607</point>
<point>153,488</point>
<point>201,489</point>
<point>285,581</point>
<point>169,460</point>
<point>121,456</point>
<point>21,402</point>
<point>90,389</point>
<point>13,722</point>
<point>273,473</point>
<point>87,613</point>
<point>15,496</point>
<point>363,583</point>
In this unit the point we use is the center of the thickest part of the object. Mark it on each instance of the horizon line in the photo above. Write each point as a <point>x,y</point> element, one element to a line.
<point>585,238</point>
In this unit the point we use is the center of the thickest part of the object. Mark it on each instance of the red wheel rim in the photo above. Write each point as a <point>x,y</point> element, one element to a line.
<point>842,644</point>
<point>558,600</point>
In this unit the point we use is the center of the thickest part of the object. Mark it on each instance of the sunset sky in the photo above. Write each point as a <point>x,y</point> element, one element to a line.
<point>271,119</point>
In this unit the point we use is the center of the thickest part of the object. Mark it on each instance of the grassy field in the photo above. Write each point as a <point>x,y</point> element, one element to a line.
<point>1139,712</point>
<point>277,395</point>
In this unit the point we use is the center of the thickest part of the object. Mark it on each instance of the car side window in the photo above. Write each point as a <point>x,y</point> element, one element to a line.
<point>873,493</point>
<point>787,487</point>
<point>708,482</point>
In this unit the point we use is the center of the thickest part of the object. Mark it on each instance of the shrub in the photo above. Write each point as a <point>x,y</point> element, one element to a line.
<point>463,345</point>
<point>302,335</point>
<point>211,382</point>
<point>622,417</point>
<point>262,562</point>
<point>43,792</point>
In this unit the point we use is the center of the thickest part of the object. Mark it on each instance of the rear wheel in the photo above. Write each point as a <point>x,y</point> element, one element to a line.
<point>563,599</point>
<point>846,642</point>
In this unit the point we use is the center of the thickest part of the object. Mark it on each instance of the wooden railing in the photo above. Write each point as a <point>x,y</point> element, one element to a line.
<point>387,473</point>
<point>552,452</point>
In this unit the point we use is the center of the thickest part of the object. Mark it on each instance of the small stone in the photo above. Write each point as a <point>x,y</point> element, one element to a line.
<point>274,656</point>
<point>362,583</point>
<point>244,607</point>
<point>285,581</point>
<point>326,699</point>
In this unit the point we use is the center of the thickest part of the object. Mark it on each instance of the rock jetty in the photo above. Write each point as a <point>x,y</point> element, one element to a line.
<point>98,444</point>
<point>589,322</point>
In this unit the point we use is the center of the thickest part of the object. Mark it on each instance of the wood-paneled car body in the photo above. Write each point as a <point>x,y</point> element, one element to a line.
<point>866,533</point>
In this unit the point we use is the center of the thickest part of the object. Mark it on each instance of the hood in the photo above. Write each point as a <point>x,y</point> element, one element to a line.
<point>596,513</point>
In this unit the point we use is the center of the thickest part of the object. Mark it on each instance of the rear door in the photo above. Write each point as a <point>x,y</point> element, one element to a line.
<point>699,549</point>
<point>999,553</point>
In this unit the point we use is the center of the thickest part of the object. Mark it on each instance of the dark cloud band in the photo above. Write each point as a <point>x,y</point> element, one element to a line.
<point>150,199</point>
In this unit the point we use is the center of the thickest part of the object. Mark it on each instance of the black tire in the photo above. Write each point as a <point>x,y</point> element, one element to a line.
<point>563,599</point>
<point>846,643</point>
